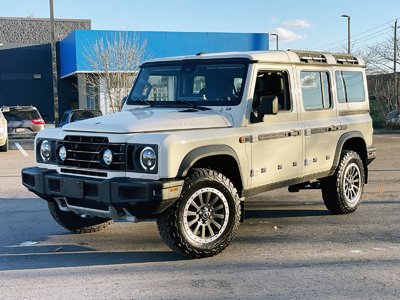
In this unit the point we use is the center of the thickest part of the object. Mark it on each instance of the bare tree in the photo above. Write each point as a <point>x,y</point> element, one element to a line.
<point>114,61</point>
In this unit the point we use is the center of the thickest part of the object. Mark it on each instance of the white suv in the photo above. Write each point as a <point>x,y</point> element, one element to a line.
<point>199,134</point>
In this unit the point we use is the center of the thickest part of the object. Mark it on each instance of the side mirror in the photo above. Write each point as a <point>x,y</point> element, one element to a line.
<point>268,106</point>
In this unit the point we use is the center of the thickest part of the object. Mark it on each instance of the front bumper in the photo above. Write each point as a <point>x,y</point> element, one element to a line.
<point>141,198</point>
<point>371,154</point>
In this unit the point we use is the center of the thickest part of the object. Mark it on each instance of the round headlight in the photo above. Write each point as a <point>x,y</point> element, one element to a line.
<point>45,150</point>
<point>107,157</point>
<point>148,158</point>
<point>62,153</point>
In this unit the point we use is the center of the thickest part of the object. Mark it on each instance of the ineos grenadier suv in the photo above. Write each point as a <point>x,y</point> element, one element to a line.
<point>199,134</point>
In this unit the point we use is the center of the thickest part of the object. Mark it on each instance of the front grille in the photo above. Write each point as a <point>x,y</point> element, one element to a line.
<point>85,152</point>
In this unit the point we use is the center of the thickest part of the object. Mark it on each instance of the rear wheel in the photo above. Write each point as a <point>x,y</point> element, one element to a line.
<point>204,220</point>
<point>342,192</point>
<point>76,223</point>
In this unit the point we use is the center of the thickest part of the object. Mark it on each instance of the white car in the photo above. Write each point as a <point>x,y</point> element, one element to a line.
<point>199,134</point>
<point>3,131</point>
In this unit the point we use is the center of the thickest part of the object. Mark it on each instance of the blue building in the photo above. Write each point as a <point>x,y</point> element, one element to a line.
<point>74,65</point>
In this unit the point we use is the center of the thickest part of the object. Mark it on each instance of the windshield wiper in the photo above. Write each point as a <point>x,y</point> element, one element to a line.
<point>192,104</point>
<point>149,103</point>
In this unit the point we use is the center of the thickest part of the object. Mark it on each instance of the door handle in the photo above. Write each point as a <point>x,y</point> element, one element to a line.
<point>332,128</point>
<point>294,132</point>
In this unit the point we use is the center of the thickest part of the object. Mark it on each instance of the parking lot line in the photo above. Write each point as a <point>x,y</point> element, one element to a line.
<point>23,152</point>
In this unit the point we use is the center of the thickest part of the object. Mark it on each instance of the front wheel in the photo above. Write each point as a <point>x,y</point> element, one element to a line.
<point>342,191</point>
<point>4,148</point>
<point>204,220</point>
<point>76,223</point>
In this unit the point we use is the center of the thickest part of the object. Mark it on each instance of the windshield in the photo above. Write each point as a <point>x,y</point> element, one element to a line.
<point>202,82</point>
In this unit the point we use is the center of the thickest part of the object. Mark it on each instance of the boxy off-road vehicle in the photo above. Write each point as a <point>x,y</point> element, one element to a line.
<point>199,134</point>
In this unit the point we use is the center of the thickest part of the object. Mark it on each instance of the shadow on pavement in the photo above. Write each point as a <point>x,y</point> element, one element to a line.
<point>62,256</point>
<point>281,213</point>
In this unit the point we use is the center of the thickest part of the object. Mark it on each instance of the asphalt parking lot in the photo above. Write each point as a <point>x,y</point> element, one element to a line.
<point>289,247</point>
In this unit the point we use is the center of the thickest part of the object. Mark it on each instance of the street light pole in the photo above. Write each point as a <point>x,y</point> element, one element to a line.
<point>277,40</point>
<point>348,32</point>
<point>54,63</point>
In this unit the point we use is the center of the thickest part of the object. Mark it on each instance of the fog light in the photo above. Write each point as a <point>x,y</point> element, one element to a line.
<point>107,157</point>
<point>62,153</point>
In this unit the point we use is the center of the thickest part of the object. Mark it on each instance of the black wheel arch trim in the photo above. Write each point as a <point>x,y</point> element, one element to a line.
<point>206,151</point>
<point>342,140</point>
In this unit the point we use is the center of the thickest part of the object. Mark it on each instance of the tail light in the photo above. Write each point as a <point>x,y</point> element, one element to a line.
<point>38,121</point>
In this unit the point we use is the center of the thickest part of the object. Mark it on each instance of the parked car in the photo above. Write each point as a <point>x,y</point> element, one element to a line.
<point>23,121</point>
<point>74,115</point>
<point>3,131</point>
<point>393,118</point>
<point>199,134</point>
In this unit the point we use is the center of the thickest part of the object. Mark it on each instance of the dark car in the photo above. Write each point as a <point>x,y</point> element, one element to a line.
<point>74,115</point>
<point>23,121</point>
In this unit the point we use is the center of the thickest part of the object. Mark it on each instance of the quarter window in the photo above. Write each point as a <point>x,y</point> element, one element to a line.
<point>350,86</point>
<point>315,88</point>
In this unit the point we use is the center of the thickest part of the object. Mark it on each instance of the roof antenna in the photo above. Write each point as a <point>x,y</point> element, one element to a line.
<point>199,53</point>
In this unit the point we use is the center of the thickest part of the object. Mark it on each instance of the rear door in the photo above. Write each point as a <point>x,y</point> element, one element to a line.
<point>319,117</point>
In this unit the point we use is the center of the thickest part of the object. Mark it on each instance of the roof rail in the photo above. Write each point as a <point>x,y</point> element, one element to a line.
<point>310,56</point>
<point>344,58</point>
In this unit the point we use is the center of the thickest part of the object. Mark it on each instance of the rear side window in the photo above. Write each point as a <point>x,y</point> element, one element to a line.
<point>350,86</point>
<point>315,89</point>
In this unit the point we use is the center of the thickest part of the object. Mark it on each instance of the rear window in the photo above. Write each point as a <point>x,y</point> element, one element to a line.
<point>22,114</point>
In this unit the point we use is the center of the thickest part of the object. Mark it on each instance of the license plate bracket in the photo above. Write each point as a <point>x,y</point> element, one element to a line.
<point>72,188</point>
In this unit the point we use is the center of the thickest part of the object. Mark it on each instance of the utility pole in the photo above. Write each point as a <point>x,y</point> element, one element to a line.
<point>277,40</point>
<point>395,93</point>
<point>348,33</point>
<point>54,63</point>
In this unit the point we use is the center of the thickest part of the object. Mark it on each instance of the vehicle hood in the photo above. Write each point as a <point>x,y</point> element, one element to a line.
<point>152,119</point>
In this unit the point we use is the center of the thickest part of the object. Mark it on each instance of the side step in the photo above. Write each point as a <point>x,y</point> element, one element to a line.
<point>314,185</point>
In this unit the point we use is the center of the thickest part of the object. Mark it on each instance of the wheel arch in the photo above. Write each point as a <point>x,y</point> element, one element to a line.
<point>220,158</point>
<point>353,140</point>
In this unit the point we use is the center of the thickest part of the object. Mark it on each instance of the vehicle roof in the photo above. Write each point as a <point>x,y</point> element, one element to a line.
<point>280,56</point>
<point>81,109</point>
<point>19,106</point>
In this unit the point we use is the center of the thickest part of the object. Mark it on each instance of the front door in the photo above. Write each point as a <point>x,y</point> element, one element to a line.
<point>277,140</point>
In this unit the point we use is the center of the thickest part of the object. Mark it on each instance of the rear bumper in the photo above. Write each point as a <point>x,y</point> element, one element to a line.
<point>141,198</point>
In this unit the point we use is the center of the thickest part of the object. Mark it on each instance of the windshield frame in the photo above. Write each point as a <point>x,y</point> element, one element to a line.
<point>185,102</point>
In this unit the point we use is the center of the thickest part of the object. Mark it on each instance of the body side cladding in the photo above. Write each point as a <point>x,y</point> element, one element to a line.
<point>280,184</point>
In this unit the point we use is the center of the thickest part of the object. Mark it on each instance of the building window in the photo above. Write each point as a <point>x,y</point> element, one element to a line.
<point>315,88</point>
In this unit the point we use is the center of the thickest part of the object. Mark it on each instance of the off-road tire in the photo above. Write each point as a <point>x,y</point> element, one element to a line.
<point>4,148</point>
<point>171,223</point>
<point>334,187</point>
<point>75,223</point>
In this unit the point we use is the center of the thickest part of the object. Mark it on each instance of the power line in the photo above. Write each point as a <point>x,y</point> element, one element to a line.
<point>342,40</point>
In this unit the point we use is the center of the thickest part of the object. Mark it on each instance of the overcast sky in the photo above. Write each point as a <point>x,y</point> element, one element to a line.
<point>313,25</point>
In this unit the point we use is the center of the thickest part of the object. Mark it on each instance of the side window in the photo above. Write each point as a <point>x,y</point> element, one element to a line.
<point>350,86</point>
<point>273,83</point>
<point>315,88</point>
